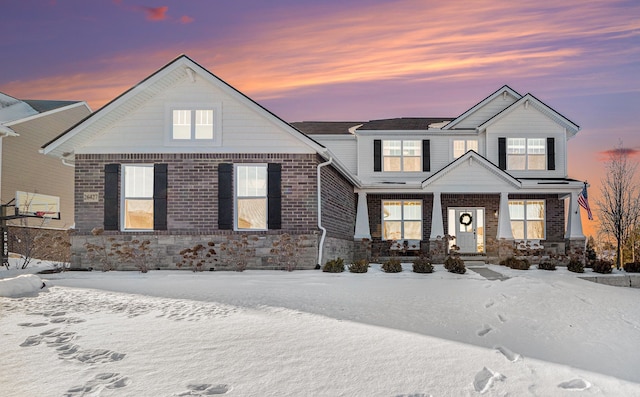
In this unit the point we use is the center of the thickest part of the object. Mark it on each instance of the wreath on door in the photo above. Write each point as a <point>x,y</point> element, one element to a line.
<point>465,219</point>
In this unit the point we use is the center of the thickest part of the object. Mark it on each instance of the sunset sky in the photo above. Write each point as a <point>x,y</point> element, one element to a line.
<point>348,59</point>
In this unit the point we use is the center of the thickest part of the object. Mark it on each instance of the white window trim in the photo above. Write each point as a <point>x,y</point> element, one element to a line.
<point>526,153</point>
<point>123,197</point>
<point>402,156</point>
<point>544,220</point>
<point>217,124</point>
<point>235,196</point>
<point>402,220</point>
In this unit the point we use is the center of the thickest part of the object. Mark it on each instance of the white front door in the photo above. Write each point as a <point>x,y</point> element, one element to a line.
<point>466,236</point>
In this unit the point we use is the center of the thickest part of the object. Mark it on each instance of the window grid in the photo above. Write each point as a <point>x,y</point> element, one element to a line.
<point>402,219</point>
<point>192,124</point>
<point>402,156</point>
<point>527,219</point>
<point>526,154</point>
<point>138,197</point>
<point>461,146</point>
<point>251,197</point>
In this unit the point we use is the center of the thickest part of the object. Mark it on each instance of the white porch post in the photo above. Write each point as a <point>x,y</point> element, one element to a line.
<point>504,220</point>
<point>362,218</point>
<point>574,221</point>
<point>437,224</point>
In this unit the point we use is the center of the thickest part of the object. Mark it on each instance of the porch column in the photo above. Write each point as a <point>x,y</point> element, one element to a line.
<point>504,220</point>
<point>437,225</point>
<point>362,218</point>
<point>574,221</point>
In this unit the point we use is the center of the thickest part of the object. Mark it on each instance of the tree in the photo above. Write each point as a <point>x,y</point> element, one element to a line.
<point>619,205</point>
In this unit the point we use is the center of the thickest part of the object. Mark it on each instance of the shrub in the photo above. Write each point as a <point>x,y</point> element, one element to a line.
<point>334,266</point>
<point>547,266</point>
<point>575,266</point>
<point>455,265</point>
<point>422,265</point>
<point>515,263</point>
<point>360,266</point>
<point>198,257</point>
<point>602,266</point>
<point>632,267</point>
<point>392,266</point>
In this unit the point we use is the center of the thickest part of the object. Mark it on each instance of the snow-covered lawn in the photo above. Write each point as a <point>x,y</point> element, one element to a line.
<point>308,333</point>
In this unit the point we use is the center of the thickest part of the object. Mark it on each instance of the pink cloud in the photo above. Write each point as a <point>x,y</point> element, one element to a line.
<point>155,13</point>
<point>606,155</point>
<point>186,19</point>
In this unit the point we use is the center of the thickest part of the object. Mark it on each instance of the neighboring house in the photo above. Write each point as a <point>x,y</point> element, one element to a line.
<point>26,174</point>
<point>184,158</point>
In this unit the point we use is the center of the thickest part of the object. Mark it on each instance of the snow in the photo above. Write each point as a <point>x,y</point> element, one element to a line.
<point>21,285</point>
<point>308,333</point>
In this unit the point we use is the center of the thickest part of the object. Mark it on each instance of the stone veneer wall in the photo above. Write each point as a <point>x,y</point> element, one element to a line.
<point>192,213</point>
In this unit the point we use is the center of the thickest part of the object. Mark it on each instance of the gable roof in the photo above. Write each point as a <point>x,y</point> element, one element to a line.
<point>504,90</point>
<point>42,106</point>
<point>474,157</point>
<point>527,100</point>
<point>63,145</point>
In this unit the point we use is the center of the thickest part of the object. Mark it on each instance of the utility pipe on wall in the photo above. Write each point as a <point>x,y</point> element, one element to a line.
<point>324,231</point>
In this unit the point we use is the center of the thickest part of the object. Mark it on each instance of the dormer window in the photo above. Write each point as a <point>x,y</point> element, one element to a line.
<point>401,156</point>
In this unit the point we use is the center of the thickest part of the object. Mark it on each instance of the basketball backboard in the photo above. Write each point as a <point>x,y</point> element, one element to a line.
<point>37,205</point>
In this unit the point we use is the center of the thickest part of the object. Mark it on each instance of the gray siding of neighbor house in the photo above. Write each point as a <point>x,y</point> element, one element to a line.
<point>192,213</point>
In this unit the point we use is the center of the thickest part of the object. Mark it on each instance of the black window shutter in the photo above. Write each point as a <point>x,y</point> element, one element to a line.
<point>502,153</point>
<point>225,196</point>
<point>160,197</point>
<point>111,218</point>
<point>377,155</point>
<point>426,155</point>
<point>274,196</point>
<point>551,153</point>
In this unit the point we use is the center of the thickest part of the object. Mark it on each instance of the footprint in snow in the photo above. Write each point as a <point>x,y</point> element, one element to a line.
<point>485,379</point>
<point>575,384</point>
<point>485,330</point>
<point>511,356</point>
<point>30,325</point>
<point>204,389</point>
<point>502,318</point>
<point>107,380</point>
<point>489,304</point>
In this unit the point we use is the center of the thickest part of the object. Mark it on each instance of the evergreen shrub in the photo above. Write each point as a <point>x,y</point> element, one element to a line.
<point>455,265</point>
<point>334,266</point>
<point>602,266</point>
<point>422,265</point>
<point>575,266</point>
<point>359,266</point>
<point>632,267</point>
<point>392,266</point>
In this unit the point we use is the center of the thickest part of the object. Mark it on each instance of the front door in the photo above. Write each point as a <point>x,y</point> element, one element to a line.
<point>466,230</point>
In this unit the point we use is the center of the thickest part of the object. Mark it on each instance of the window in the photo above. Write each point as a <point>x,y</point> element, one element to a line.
<point>526,154</point>
<point>527,219</point>
<point>192,124</point>
<point>138,197</point>
<point>251,196</point>
<point>400,156</point>
<point>461,146</point>
<point>402,220</point>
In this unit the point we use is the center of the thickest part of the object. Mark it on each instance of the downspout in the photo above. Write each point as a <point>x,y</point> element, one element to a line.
<point>324,231</point>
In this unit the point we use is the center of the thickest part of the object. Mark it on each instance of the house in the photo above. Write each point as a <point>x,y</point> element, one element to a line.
<point>183,158</point>
<point>28,178</point>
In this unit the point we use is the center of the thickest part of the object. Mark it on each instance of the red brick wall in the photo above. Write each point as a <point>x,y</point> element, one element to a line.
<point>193,186</point>
<point>338,204</point>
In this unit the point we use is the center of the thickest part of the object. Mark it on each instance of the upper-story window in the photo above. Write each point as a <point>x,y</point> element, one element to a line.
<point>462,146</point>
<point>526,154</point>
<point>192,124</point>
<point>137,197</point>
<point>400,156</point>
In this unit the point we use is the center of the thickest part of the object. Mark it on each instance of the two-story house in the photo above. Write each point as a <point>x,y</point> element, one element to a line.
<point>183,157</point>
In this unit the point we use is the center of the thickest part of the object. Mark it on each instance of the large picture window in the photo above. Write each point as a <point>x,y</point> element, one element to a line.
<point>527,219</point>
<point>192,124</point>
<point>251,197</point>
<point>137,197</point>
<point>526,154</point>
<point>402,220</point>
<point>398,156</point>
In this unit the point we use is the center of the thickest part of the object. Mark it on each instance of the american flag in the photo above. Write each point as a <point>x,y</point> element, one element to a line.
<point>583,200</point>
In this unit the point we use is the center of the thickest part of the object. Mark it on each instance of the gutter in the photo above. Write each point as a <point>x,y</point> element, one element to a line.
<point>324,231</point>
